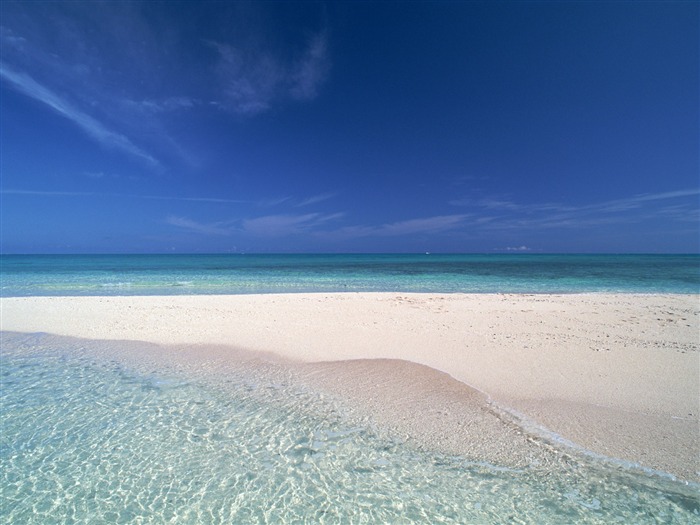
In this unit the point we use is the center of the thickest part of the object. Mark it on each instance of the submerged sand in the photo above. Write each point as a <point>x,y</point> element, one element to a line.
<point>617,374</point>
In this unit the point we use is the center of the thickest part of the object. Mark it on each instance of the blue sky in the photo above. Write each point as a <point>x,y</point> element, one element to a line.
<point>349,127</point>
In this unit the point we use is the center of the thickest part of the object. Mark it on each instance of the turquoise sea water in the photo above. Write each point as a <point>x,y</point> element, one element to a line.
<point>236,274</point>
<point>101,433</point>
<point>98,433</point>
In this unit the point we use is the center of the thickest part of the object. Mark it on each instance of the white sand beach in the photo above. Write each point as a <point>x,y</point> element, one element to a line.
<point>617,374</point>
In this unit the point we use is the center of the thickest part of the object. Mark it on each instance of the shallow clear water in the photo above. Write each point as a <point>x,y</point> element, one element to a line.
<point>235,274</point>
<point>92,435</point>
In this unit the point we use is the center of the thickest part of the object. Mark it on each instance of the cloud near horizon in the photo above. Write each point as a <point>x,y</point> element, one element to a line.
<point>216,228</point>
<point>423,225</point>
<point>316,224</point>
<point>507,214</point>
<point>263,226</point>
<point>485,215</point>
<point>277,225</point>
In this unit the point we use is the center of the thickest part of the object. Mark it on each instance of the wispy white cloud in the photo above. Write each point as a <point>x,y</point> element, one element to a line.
<point>680,213</point>
<point>249,84</point>
<point>425,225</point>
<point>278,225</point>
<point>214,228</point>
<point>165,105</point>
<point>95,129</point>
<point>48,193</point>
<point>315,199</point>
<point>437,224</point>
<point>123,84</point>
<point>637,201</point>
<point>41,193</point>
<point>192,199</point>
<point>311,71</point>
<point>507,214</point>
<point>264,203</point>
<point>273,201</point>
<point>264,226</point>
<point>494,204</point>
<point>254,79</point>
<point>318,224</point>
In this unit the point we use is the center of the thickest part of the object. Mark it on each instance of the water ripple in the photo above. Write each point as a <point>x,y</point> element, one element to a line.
<point>87,439</point>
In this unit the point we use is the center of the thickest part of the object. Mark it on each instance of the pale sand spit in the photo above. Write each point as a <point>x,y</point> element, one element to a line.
<point>617,374</point>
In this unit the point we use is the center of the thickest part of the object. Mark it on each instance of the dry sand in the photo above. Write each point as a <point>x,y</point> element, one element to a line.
<point>618,374</point>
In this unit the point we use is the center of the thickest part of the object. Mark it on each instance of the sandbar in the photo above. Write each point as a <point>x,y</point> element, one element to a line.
<point>616,374</point>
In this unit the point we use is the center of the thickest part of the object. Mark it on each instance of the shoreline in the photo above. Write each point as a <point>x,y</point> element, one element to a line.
<point>616,374</point>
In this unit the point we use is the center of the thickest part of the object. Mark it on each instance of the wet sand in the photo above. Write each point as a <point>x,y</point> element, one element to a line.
<point>617,374</point>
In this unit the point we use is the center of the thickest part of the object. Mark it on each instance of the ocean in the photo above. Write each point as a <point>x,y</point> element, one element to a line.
<point>111,433</point>
<point>63,275</point>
